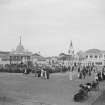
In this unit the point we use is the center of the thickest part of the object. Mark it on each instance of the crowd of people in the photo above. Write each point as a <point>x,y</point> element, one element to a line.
<point>82,71</point>
<point>44,71</point>
<point>13,68</point>
<point>100,75</point>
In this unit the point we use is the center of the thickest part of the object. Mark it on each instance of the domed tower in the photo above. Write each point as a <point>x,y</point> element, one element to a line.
<point>71,50</point>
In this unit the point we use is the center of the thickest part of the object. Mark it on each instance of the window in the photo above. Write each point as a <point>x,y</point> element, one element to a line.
<point>99,56</point>
<point>98,63</point>
<point>96,56</point>
<point>4,59</point>
<point>87,56</point>
<point>91,56</point>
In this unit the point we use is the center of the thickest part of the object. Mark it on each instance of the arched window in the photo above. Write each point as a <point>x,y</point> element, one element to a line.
<point>91,56</point>
<point>96,56</point>
<point>86,56</point>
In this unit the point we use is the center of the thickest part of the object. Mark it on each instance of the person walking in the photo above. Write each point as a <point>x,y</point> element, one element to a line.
<point>47,74</point>
<point>42,73</point>
<point>96,76</point>
<point>39,73</point>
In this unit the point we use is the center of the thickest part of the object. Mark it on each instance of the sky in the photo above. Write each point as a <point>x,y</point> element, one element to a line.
<point>48,26</point>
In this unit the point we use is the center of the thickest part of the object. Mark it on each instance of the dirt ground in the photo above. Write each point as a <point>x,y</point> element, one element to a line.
<point>17,89</point>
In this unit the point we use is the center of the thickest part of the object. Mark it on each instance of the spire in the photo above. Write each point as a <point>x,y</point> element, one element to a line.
<point>20,47</point>
<point>71,50</point>
<point>20,40</point>
<point>71,45</point>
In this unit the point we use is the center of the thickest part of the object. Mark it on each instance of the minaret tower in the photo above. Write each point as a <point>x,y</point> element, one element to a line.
<point>71,50</point>
<point>20,41</point>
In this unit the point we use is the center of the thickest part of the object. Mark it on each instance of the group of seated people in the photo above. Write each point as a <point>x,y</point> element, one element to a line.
<point>90,86</point>
<point>85,89</point>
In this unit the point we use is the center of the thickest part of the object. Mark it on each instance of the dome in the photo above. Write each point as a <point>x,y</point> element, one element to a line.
<point>62,54</point>
<point>19,48</point>
<point>93,51</point>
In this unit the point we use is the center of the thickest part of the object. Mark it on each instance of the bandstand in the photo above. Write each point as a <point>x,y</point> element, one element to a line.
<point>20,55</point>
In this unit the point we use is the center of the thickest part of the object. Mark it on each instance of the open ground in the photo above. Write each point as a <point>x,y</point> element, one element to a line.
<point>18,89</point>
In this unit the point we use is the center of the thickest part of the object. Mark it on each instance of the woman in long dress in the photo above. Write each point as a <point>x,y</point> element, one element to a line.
<point>42,73</point>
